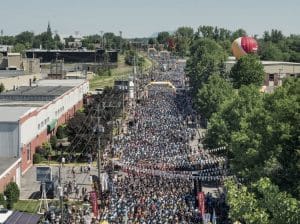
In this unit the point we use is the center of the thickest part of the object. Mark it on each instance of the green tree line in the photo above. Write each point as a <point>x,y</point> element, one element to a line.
<point>48,40</point>
<point>260,131</point>
<point>273,45</point>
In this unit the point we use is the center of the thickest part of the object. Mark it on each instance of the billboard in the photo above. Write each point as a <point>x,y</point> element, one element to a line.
<point>43,173</point>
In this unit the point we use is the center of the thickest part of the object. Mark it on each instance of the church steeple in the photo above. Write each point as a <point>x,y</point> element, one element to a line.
<point>49,29</point>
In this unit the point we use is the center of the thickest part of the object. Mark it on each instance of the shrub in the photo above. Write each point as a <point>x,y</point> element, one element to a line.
<point>37,158</point>
<point>60,133</point>
<point>42,151</point>
<point>2,200</point>
<point>12,194</point>
<point>53,141</point>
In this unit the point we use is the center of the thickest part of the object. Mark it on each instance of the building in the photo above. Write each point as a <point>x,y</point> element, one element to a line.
<point>16,71</point>
<point>29,116</point>
<point>13,79</point>
<point>73,56</point>
<point>14,61</point>
<point>4,49</point>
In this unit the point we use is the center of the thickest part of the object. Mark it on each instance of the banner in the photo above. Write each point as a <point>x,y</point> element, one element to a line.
<point>94,202</point>
<point>201,203</point>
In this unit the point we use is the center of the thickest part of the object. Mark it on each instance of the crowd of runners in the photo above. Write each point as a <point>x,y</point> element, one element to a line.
<point>157,161</point>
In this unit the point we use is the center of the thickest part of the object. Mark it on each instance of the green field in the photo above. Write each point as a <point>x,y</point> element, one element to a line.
<point>122,71</point>
<point>119,73</point>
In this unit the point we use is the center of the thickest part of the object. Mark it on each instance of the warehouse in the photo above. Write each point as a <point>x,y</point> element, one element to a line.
<point>275,72</point>
<point>29,116</point>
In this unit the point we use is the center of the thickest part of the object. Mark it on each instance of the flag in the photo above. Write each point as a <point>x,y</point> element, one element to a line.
<point>201,203</point>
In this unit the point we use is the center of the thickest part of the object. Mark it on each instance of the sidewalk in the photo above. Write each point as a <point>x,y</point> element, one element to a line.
<point>30,187</point>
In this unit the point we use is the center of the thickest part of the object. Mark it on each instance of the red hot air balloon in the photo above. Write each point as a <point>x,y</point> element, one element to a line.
<point>244,45</point>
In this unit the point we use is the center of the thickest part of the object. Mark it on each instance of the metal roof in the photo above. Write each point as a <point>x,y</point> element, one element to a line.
<point>35,93</point>
<point>13,114</point>
<point>11,73</point>
<point>61,82</point>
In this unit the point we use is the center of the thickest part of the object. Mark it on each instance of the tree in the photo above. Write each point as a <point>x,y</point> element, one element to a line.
<point>229,118</point>
<point>238,33</point>
<point>244,206</point>
<point>262,133</point>
<point>2,200</point>
<point>25,38</point>
<point>206,32</point>
<point>60,133</point>
<point>282,208</point>
<point>163,37</point>
<point>270,51</point>
<point>183,39</point>
<point>53,141</point>
<point>58,43</point>
<point>283,135</point>
<point>129,57</point>
<point>212,95</point>
<point>151,41</point>
<point>276,36</point>
<point>206,59</point>
<point>261,202</point>
<point>2,88</point>
<point>12,194</point>
<point>37,158</point>
<point>19,48</point>
<point>248,70</point>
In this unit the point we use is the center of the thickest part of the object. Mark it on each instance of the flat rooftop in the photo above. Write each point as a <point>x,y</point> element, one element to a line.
<point>13,114</point>
<point>60,82</point>
<point>35,93</point>
<point>233,61</point>
<point>10,73</point>
<point>15,103</point>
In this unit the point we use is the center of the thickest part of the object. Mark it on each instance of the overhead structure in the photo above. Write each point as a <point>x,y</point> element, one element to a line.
<point>158,83</point>
<point>244,45</point>
<point>161,83</point>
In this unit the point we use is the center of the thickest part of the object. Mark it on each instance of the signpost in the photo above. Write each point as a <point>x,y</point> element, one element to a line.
<point>43,174</point>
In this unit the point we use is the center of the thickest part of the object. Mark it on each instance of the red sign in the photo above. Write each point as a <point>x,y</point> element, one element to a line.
<point>201,203</point>
<point>94,202</point>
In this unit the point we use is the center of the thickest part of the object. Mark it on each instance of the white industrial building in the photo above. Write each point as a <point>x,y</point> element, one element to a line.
<point>28,117</point>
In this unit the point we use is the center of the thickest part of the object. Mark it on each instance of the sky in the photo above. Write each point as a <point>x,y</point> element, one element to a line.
<point>142,18</point>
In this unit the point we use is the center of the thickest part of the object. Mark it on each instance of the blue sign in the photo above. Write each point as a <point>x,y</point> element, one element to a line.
<point>43,173</point>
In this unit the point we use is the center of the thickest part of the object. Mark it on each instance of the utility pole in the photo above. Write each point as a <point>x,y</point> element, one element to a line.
<point>102,44</point>
<point>99,146</point>
<point>99,130</point>
<point>60,188</point>
<point>120,32</point>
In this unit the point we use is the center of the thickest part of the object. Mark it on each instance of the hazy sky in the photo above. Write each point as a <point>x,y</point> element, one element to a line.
<point>139,18</point>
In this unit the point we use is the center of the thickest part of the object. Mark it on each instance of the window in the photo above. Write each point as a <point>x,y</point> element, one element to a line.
<point>271,77</point>
<point>39,126</point>
<point>28,152</point>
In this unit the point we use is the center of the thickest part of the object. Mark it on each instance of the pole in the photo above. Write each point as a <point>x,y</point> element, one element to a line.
<point>99,145</point>
<point>61,195</point>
